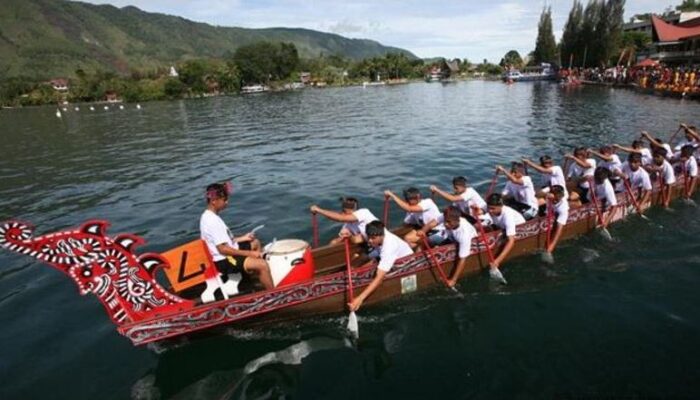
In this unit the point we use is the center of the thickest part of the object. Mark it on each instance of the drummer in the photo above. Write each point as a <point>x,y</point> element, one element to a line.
<point>389,248</point>
<point>354,220</point>
<point>230,254</point>
<point>421,215</point>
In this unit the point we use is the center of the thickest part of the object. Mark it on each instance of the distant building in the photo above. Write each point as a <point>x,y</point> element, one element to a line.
<point>59,84</point>
<point>305,77</point>
<point>674,44</point>
<point>642,23</point>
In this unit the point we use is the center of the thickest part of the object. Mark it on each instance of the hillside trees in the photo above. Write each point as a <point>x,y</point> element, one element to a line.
<point>546,45</point>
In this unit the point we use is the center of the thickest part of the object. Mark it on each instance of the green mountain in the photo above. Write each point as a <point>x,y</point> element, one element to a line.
<point>52,38</point>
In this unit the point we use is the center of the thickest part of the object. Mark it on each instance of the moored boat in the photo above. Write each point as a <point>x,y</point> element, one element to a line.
<point>146,311</point>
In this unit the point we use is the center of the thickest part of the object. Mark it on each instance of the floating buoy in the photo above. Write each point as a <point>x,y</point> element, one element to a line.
<point>92,108</point>
<point>106,108</point>
<point>121,107</point>
<point>138,106</point>
<point>58,113</point>
<point>65,109</point>
<point>77,108</point>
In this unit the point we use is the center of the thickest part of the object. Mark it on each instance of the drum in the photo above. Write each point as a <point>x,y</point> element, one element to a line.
<point>290,261</point>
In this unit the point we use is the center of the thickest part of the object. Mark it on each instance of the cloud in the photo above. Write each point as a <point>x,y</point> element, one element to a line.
<point>452,28</point>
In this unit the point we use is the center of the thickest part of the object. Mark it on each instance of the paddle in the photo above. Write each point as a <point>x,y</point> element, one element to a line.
<point>314,227</point>
<point>353,326</point>
<point>546,255</point>
<point>431,257</point>
<point>494,273</point>
<point>493,183</point>
<point>628,188</point>
<point>386,211</point>
<point>594,198</point>
<point>670,140</point>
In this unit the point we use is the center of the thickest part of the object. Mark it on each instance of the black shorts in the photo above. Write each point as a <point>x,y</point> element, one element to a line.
<point>233,264</point>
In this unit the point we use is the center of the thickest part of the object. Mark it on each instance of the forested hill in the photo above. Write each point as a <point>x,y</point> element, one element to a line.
<point>52,38</point>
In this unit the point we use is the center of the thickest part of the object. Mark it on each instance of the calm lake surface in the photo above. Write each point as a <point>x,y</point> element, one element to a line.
<point>609,319</point>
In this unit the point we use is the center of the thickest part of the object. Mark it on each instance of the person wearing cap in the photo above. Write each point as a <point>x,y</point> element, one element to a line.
<point>465,198</point>
<point>388,248</point>
<point>461,232</point>
<point>519,192</point>
<point>421,215</point>
<point>354,220</point>
<point>230,254</point>
<point>507,219</point>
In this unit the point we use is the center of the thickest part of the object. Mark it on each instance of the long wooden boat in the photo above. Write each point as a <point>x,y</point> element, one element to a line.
<point>145,311</point>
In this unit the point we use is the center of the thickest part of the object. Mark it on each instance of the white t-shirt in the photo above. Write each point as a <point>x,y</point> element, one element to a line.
<point>554,178</point>
<point>578,171</point>
<point>470,198</point>
<point>614,165</point>
<point>393,248</point>
<point>430,213</point>
<point>669,153</point>
<point>213,231</point>
<point>508,220</point>
<point>605,192</point>
<point>691,167</point>
<point>686,142</point>
<point>524,193</point>
<point>669,177</point>
<point>463,235</point>
<point>638,179</point>
<point>364,217</point>
<point>561,212</point>
<point>647,158</point>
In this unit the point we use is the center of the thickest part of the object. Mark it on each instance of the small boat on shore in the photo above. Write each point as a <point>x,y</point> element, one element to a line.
<point>544,72</point>
<point>307,281</point>
<point>254,89</point>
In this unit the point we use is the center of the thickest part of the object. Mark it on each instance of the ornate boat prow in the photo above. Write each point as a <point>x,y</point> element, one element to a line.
<point>108,268</point>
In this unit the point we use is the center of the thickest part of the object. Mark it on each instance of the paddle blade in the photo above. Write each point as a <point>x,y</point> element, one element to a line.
<point>547,257</point>
<point>497,276</point>
<point>353,325</point>
<point>605,234</point>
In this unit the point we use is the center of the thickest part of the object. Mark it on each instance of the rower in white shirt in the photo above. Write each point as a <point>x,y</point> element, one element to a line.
<point>560,210</point>
<point>354,220</point>
<point>638,178</point>
<point>464,197</point>
<point>665,172</point>
<point>551,175</point>
<point>658,143</point>
<point>604,193</point>
<point>420,213</point>
<point>579,174</point>
<point>612,162</point>
<point>389,248</point>
<point>507,219</point>
<point>637,147</point>
<point>461,232</point>
<point>519,192</point>
<point>691,138</point>
<point>689,167</point>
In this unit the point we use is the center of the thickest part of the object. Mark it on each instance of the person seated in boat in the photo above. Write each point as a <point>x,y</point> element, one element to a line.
<point>355,219</point>
<point>388,248</point>
<point>637,177</point>
<point>691,137</point>
<point>420,213</point>
<point>604,193</point>
<point>461,232</point>
<point>612,162</point>
<point>519,192</point>
<point>230,254</point>
<point>505,218</point>
<point>579,174</point>
<point>663,170</point>
<point>464,197</point>
<point>552,175</point>
<point>637,147</point>
<point>560,212</point>
<point>658,143</point>
<point>689,168</point>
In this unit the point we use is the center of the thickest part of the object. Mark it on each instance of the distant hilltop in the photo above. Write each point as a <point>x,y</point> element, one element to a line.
<point>41,39</point>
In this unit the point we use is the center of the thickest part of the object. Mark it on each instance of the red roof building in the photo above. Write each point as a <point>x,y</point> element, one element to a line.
<point>675,44</point>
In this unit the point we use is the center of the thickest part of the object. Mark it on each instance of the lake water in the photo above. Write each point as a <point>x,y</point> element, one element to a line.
<point>609,319</point>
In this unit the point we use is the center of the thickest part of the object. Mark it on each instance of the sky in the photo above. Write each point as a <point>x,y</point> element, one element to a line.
<point>472,29</point>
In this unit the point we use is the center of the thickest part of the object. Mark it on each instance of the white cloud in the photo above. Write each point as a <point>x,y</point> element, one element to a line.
<point>451,28</point>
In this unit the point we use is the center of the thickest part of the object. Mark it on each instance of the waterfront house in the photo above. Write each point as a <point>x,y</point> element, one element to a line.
<point>675,44</point>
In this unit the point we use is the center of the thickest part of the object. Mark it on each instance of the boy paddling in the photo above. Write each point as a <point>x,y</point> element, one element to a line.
<point>421,215</point>
<point>354,220</point>
<point>519,192</point>
<point>460,231</point>
<point>465,198</point>
<point>507,219</point>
